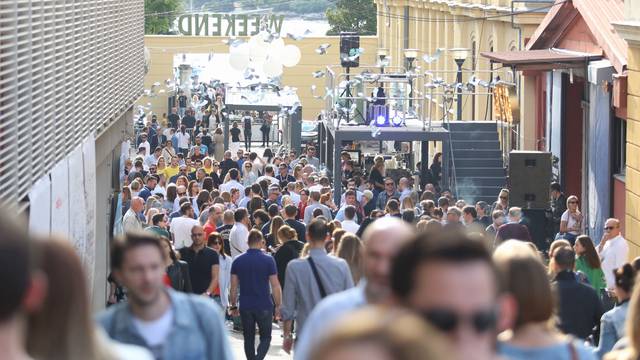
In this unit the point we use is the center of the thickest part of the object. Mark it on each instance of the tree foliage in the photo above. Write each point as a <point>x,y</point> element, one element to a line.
<point>352,15</point>
<point>159,15</point>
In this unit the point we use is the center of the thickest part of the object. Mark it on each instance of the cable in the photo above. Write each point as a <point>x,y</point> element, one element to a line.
<point>389,15</point>
<point>220,7</point>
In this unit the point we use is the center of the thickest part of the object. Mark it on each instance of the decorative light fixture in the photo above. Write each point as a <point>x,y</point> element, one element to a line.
<point>411,55</point>
<point>459,55</point>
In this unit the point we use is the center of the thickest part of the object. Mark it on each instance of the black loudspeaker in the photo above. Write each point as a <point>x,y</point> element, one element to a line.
<point>537,221</point>
<point>349,45</point>
<point>529,179</point>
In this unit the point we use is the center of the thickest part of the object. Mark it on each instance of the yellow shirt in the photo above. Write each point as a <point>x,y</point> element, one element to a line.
<point>170,172</point>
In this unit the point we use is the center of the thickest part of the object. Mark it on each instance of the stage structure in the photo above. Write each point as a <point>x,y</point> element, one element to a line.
<point>384,103</point>
<point>266,97</point>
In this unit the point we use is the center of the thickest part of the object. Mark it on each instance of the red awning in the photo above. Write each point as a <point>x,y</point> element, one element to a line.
<point>543,59</point>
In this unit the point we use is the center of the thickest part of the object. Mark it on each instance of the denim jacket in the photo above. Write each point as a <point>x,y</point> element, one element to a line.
<point>611,328</point>
<point>198,330</point>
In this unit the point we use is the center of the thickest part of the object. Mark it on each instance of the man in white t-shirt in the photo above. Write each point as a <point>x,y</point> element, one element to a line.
<point>184,141</point>
<point>239,234</point>
<point>181,226</point>
<point>171,324</point>
<point>269,175</point>
<point>233,182</point>
<point>613,250</point>
<point>349,224</point>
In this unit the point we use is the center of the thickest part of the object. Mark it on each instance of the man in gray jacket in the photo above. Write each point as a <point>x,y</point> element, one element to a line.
<point>309,280</point>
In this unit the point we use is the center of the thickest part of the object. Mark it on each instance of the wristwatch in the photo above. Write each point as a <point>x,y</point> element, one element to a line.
<point>233,307</point>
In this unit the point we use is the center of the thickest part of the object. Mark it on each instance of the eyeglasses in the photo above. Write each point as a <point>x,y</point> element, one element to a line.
<point>182,193</point>
<point>447,320</point>
<point>388,184</point>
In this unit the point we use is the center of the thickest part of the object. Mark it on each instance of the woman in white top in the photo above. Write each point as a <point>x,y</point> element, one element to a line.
<point>571,221</point>
<point>221,294</point>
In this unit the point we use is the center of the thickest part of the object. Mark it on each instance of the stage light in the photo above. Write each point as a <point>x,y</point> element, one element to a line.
<point>397,121</point>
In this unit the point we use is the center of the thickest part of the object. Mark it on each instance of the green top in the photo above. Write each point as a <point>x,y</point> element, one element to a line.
<point>595,276</point>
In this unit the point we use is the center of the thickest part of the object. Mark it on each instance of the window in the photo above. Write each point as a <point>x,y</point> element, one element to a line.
<point>619,144</point>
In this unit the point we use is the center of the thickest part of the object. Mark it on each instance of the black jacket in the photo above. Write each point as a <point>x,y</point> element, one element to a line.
<point>299,227</point>
<point>579,309</point>
<point>179,275</point>
<point>290,250</point>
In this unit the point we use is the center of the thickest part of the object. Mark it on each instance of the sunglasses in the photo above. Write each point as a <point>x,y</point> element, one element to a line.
<point>609,228</point>
<point>182,193</point>
<point>447,320</point>
<point>389,184</point>
<point>215,243</point>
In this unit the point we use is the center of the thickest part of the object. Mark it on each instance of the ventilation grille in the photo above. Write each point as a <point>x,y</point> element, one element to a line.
<point>67,68</point>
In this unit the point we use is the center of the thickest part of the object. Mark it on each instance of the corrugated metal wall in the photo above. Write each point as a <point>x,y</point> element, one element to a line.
<point>67,67</point>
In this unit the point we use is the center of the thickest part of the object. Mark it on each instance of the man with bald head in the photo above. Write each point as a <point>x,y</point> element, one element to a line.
<point>203,263</point>
<point>613,250</point>
<point>381,240</point>
<point>131,221</point>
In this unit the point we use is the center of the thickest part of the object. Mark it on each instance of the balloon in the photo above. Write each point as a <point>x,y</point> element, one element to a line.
<point>239,57</point>
<point>272,68</point>
<point>276,49</point>
<point>258,48</point>
<point>291,56</point>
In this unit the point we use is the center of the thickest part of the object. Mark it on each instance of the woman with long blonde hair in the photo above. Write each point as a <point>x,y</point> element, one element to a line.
<point>63,327</point>
<point>351,250</point>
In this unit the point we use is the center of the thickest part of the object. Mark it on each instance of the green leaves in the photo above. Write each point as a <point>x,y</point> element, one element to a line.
<point>159,15</point>
<point>352,15</point>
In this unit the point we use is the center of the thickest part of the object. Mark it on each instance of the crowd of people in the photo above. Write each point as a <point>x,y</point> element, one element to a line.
<point>212,241</point>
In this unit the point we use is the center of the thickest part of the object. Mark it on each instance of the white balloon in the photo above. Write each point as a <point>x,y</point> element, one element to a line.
<point>272,68</point>
<point>239,57</point>
<point>291,56</point>
<point>276,49</point>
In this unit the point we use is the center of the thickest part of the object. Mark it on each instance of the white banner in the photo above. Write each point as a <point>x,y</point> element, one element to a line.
<point>60,198</point>
<point>89,159</point>
<point>77,213</point>
<point>40,207</point>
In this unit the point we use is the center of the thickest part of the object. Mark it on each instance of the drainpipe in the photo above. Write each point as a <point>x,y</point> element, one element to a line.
<point>519,28</point>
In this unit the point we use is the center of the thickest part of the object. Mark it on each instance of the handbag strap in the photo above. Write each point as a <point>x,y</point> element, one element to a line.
<point>323,293</point>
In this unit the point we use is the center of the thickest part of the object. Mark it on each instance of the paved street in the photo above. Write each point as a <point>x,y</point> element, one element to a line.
<point>275,351</point>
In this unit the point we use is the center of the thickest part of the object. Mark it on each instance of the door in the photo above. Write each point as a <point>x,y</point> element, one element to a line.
<point>572,134</point>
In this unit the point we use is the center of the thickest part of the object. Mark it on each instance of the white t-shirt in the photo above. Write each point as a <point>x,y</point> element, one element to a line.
<point>571,222</point>
<point>183,139</point>
<point>238,238</point>
<point>270,179</point>
<point>181,230</point>
<point>231,184</point>
<point>613,255</point>
<point>155,332</point>
<point>350,226</point>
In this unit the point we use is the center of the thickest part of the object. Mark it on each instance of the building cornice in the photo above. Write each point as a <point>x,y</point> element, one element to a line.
<point>628,30</point>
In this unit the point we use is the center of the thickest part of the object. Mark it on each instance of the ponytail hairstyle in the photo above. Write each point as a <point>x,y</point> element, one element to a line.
<point>625,277</point>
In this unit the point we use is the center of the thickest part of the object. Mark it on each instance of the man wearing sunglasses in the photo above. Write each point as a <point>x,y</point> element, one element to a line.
<point>450,280</point>
<point>613,250</point>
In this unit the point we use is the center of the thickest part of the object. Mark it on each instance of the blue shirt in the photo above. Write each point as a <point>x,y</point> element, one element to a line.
<point>253,269</point>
